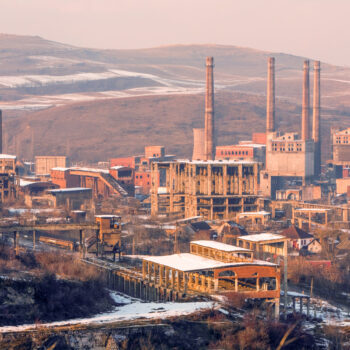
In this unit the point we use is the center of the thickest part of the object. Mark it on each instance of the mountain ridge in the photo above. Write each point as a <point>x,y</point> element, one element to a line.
<point>56,91</point>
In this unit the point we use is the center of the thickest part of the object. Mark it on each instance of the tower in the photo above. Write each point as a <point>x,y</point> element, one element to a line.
<point>305,123</point>
<point>316,133</point>
<point>209,145</point>
<point>270,105</point>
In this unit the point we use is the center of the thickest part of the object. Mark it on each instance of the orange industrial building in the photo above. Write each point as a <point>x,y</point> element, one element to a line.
<point>142,166</point>
<point>115,181</point>
<point>242,151</point>
<point>214,267</point>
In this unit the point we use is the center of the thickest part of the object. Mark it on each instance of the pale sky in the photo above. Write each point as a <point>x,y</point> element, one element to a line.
<point>318,29</point>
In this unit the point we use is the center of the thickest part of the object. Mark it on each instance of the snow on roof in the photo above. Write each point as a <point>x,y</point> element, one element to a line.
<point>245,144</point>
<point>312,209</point>
<point>58,168</point>
<point>117,167</point>
<point>71,189</point>
<point>248,213</point>
<point>107,216</point>
<point>189,219</point>
<point>7,156</point>
<point>168,227</point>
<point>220,246</point>
<point>162,190</point>
<point>190,262</point>
<point>91,170</point>
<point>261,237</point>
<point>23,183</point>
<point>216,162</point>
<point>253,145</point>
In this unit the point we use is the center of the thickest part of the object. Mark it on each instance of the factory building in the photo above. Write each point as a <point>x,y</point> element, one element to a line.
<point>212,189</point>
<point>103,182</point>
<point>142,166</point>
<point>77,198</point>
<point>291,159</point>
<point>341,147</point>
<point>8,179</point>
<point>44,164</point>
<point>243,151</point>
<point>214,267</point>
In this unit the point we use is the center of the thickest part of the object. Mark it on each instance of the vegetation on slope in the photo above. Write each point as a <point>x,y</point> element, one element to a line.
<point>54,287</point>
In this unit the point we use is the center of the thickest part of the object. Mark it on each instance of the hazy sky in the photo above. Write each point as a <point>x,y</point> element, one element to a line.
<point>318,29</point>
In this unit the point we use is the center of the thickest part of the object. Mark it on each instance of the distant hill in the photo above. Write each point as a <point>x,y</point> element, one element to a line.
<point>95,104</point>
<point>99,130</point>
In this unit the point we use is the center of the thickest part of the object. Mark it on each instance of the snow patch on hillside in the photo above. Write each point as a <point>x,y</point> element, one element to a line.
<point>131,309</point>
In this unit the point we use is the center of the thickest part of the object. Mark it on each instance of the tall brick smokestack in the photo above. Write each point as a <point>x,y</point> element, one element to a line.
<point>0,131</point>
<point>316,132</point>
<point>270,105</point>
<point>209,146</point>
<point>305,123</point>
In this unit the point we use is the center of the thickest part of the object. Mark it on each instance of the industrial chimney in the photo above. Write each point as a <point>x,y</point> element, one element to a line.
<point>0,131</point>
<point>316,134</point>
<point>270,105</point>
<point>305,123</point>
<point>209,146</point>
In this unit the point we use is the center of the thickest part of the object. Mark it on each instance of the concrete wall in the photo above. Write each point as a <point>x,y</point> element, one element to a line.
<point>154,151</point>
<point>43,164</point>
<point>282,160</point>
<point>342,185</point>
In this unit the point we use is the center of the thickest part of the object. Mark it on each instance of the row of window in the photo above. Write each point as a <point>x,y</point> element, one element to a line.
<point>240,153</point>
<point>344,140</point>
<point>283,149</point>
<point>276,144</point>
<point>140,176</point>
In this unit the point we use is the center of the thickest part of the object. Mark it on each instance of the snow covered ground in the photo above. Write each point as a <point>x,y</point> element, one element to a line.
<point>330,314</point>
<point>164,86</point>
<point>131,309</point>
<point>47,101</point>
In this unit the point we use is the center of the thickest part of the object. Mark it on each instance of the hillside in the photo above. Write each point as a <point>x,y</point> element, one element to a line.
<point>96,104</point>
<point>98,130</point>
